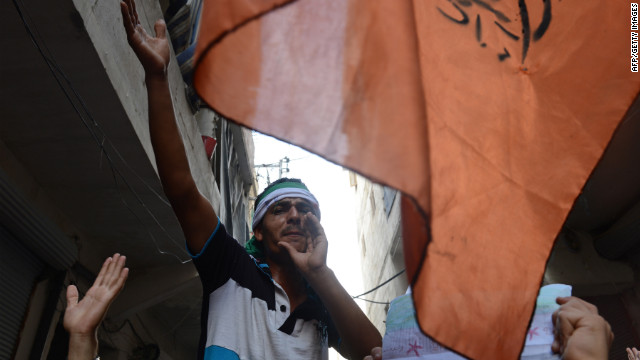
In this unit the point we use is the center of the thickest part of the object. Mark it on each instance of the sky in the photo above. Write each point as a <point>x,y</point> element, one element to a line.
<point>330,184</point>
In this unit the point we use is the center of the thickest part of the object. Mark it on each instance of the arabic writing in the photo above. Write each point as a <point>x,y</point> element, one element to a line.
<point>458,13</point>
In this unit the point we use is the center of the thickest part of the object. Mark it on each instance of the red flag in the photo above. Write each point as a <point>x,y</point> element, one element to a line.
<point>488,115</point>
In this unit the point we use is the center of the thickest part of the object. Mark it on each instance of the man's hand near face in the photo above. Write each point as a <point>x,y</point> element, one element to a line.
<point>358,335</point>
<point>312,262</point>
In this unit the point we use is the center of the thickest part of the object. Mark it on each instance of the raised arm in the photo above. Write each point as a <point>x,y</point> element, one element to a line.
<point>194,211</point>
<point>81,319</point>
<point>357,333</point>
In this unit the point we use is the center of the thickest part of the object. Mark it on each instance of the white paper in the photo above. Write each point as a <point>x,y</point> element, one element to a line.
<point>404,340</point>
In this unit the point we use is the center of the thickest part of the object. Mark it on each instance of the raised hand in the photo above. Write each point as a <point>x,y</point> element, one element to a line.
<point>153,52</point>
<point>314,259</point>
<point>84,317</point>
<point>580,333</point>
<point>633,354</point>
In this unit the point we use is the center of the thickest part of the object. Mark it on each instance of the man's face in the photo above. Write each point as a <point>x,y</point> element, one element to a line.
<point>283,222</point>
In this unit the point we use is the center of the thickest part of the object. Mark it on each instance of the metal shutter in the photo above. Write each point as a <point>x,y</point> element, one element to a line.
<point>37,232</point>
<point>19,268</point>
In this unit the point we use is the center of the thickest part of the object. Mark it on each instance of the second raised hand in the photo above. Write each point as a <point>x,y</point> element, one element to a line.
<point>153,52</point>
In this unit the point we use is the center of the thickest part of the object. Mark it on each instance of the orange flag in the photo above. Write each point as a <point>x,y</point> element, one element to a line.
<point>488,115</point>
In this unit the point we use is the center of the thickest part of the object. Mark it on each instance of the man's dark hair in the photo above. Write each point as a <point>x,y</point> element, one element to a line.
<point>279,181</point>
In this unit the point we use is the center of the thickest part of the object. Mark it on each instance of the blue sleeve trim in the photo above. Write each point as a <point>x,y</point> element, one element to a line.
<point>219,353</point>
<point>205,244</point>
<point>262,267</point>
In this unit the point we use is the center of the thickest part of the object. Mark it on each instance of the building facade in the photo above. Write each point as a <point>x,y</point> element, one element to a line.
<point>78,182</point>
<point>380,236</point>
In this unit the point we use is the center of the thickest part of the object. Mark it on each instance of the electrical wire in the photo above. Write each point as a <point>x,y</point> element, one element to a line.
<point>375,302</point>
<point>135,332</point>
<point>300,158</point>
<point>379,286</point>
<point>57,71</point>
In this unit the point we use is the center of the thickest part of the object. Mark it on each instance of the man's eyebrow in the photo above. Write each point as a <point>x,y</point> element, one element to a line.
<point>289,202</point>
<point>282,202</point>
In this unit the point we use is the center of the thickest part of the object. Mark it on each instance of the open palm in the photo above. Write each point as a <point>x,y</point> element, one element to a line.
<point>153,52</point>
<point>84,317</point>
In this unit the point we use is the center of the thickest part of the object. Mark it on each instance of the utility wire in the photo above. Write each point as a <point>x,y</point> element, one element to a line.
<point>55,69</point>
<point>375,302</point>
<point>379,286</point>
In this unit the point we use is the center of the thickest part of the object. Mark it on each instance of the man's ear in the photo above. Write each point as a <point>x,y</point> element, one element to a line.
<point>257,232</point>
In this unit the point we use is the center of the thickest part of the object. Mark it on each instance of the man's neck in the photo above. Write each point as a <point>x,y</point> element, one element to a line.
<point>290,279</point>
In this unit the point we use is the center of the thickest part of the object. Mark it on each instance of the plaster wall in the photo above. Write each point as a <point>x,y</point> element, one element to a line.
<point>103,22</point>
<point>380,239</point>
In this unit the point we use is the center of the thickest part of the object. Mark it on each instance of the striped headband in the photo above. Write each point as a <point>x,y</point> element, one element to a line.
<point>279,192</point>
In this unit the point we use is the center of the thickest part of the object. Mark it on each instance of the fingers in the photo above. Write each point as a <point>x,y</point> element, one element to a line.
<point>116,272</point>
<point>376,354</point>
<point>317,241</point>
<point>72,296</point>
<point>578,304</point>
<point>103,271</point>
<point>134,12</point>
<point>119,284</point>
<point>579,329</point>
<point>126,17</point>
<point>292,251</point>
<point>565,319</point>
<point>563,300</point>
<point>128,22</point>
<point>111,268</point>
<point>563,328</point>
<point>128,8</point>
<point>312,222</point>
<point>113,274</point>
<point>312,225</point>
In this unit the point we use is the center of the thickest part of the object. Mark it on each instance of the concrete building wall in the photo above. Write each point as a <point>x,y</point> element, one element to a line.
<point>380,238</point>
<point>103,23</point>
<point>75,146</point>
